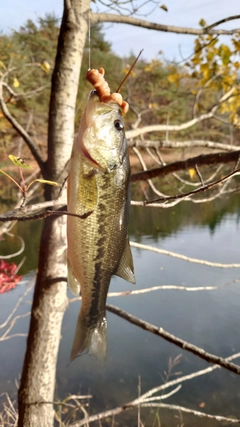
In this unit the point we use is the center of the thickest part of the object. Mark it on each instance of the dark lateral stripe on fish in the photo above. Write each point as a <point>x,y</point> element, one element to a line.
<point>95,310</point>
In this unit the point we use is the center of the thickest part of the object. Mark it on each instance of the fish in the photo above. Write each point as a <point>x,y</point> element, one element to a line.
<point>99,194</point>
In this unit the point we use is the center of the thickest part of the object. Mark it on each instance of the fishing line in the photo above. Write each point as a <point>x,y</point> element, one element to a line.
<point>129,72</point>
<point>89,40</point>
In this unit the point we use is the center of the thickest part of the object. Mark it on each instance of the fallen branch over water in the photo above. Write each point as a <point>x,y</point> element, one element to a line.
<point>211,358</point>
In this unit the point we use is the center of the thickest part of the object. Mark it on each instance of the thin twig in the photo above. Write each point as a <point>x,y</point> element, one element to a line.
<point>30,143</point>
<point>5,336</point>
<point>191,411</point>
<point>15,253</point>
<point>183,257</point>
<point>145,396</point>
<point>188,195</point>
<point>19,301</point>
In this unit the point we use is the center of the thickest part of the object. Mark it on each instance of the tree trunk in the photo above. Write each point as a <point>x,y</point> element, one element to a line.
<point>49,303</point>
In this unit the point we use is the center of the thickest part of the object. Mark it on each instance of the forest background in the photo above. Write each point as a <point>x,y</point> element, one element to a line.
<point>157,91</point>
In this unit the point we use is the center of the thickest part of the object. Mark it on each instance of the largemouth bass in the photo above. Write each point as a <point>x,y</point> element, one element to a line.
<point>98,187</point>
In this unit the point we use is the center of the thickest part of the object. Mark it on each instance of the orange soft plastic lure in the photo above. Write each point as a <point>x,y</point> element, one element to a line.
<point>96,78</point>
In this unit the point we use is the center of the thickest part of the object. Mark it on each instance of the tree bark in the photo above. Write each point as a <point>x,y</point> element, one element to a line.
<point>49,303</point>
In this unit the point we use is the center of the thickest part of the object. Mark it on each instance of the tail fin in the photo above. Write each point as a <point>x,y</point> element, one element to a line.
<point>90,338</point>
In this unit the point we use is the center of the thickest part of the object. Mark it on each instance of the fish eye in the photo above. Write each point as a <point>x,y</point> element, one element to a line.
<point>118,125</point>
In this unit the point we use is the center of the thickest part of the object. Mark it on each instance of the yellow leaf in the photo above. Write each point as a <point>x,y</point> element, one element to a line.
<point>192,173</point>
<point>202,23</point>
<point>225,54</point>
<point>18,161</point>
<point>153,106</point>
<point>224,107</point>
<point>45,66</point>
<point>16,82</point>
<point>147,68</point>
<point>164,7</point>
<point>45,181</point>
<point>172,78</point>
<point>126,71</point>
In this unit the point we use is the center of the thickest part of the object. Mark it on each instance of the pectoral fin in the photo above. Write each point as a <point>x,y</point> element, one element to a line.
<point>73,283</point>
<point>87,191</point>
<point>125,268</point>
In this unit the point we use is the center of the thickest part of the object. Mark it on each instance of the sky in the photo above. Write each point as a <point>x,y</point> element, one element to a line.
<point>126,39</point>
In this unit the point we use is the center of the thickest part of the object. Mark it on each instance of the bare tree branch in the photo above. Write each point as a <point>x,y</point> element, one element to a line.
<point>211,358</point>
<point>187,377</point>
<point>163,128</point>
<point>152,186</point>
<point>173,200</point>
<point>203,159</point>
<point>183,257</point>
<point>9,415</point>
<point>24,94</point>
<point>181,144</point>
<point>18,216</point>
<point>145,396</point>
<point>155,288</point>
<point>11,321</point>
<point>6,335</point>
<point>25,213</point>
<point>97,18</point>
<point>17,252</point>
<point>21,131</point>
<point>229,18</point>
<point>18,303</point>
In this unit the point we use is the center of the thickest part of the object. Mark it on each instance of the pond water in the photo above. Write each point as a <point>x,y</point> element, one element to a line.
<point>209,319</point>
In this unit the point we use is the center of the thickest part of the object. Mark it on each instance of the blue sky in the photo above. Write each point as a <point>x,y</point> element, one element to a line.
<point>126,39</point>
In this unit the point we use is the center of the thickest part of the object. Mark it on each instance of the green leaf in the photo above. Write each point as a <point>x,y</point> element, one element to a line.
<point>18,161</point>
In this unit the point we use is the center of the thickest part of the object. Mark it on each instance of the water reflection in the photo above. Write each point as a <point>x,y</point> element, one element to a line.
<point>209,319</point>
<point>163,222</point>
